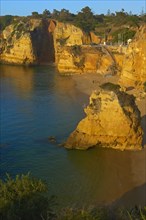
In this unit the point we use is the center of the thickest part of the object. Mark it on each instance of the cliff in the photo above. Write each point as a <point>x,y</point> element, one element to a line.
<point>88,59</point>
<point>43,41</point>
<point>65,34</point>
<point>20,53</point>
<point>112,120</point>
<point>40,41</point>
<point>78,52</point>
<point>134,64</point>
<point>27,42</point>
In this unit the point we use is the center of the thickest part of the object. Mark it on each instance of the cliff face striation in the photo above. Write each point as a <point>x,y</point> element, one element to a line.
<point>113,121</point>
<point>134,65</point>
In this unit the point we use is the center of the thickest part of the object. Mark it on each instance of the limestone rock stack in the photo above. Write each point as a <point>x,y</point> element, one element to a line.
<point>112,120</point>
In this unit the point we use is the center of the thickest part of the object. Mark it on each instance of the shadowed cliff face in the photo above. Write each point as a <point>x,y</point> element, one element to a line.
<point>43,44</point>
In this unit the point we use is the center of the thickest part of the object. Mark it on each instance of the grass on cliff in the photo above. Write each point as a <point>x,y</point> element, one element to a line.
<point>25,198</point>
<point>110,87</point>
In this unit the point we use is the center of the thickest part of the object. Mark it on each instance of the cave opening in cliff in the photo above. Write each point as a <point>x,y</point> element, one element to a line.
<point>43,44</point>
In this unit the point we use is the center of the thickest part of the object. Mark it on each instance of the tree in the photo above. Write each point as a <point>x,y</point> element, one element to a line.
<point>5,20</point>
<point>142,12</point>
<point>46,14</point>
<point>108,12</point>
<point>35,14</point>
<point>55,14</point>
<point>134,20</point>
<point>85,19</point>
<point>65,15</point>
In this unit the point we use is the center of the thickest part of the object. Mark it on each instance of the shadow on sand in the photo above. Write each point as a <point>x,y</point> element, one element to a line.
<point>128,199</point>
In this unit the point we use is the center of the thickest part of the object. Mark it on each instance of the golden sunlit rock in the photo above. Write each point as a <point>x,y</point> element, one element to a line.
<point>113,121</point>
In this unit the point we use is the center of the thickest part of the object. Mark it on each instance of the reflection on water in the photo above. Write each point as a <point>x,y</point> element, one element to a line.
<point>21,77</point>
<point>36,102</point>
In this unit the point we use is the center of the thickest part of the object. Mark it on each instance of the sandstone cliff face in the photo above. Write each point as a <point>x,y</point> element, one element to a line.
<point>134,65</point>
<point>27,42</point>
<point>39,41</point>
<point>90,59</point>
<point>20,53</point>
<point>113,121</point>
<point>16,44</point>
<point>67,35</point>
<point>86,59</point>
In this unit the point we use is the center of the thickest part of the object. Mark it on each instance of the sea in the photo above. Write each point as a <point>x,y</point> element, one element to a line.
<point>37,103</point>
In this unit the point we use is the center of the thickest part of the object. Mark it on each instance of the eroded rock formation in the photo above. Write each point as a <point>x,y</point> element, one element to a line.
<point>27,42</point>
<point>86,59</point>
<point>112,120</point>
<point>39,41</point>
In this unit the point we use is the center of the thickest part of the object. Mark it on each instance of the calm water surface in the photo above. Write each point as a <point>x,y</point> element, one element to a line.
<point>36,102</point>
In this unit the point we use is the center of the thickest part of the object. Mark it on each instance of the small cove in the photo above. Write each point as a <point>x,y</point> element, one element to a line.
<point>36,102</point>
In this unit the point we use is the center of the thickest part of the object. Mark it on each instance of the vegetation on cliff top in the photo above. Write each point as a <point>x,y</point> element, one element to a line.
<point>25,198</point>
<point>118,25</point>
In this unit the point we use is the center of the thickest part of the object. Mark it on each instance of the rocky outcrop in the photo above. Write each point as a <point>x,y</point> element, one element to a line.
<point>21,52</point>
<point>43,41</point>
<point>40,41</point>
<point>67,35</point>
<point>134,65</point>
<point>86,59</point>
<point>16,44</point>
<point>27,42</point>
<point>113,121</point>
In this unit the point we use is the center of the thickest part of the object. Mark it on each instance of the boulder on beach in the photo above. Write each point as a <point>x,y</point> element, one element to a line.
<point>112,120</point>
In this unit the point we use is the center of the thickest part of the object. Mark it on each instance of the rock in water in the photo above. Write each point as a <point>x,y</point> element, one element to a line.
<point>113,121</point>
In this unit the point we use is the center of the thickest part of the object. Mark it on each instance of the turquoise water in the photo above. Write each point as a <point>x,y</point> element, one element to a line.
<point>36,102</point>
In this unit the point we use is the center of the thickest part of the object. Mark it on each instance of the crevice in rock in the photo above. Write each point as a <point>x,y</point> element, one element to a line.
<point>43,44</point>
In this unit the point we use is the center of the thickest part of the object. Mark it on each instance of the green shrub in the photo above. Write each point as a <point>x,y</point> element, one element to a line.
<point>135,213</point>
<point>62,41</point>
<point>76,50</point>
<point>80,64</point>
<point>122,35</point>
<point>5,21</point>
<point>23,198</point>
<point>110,86</point>
<point>84,214</point>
